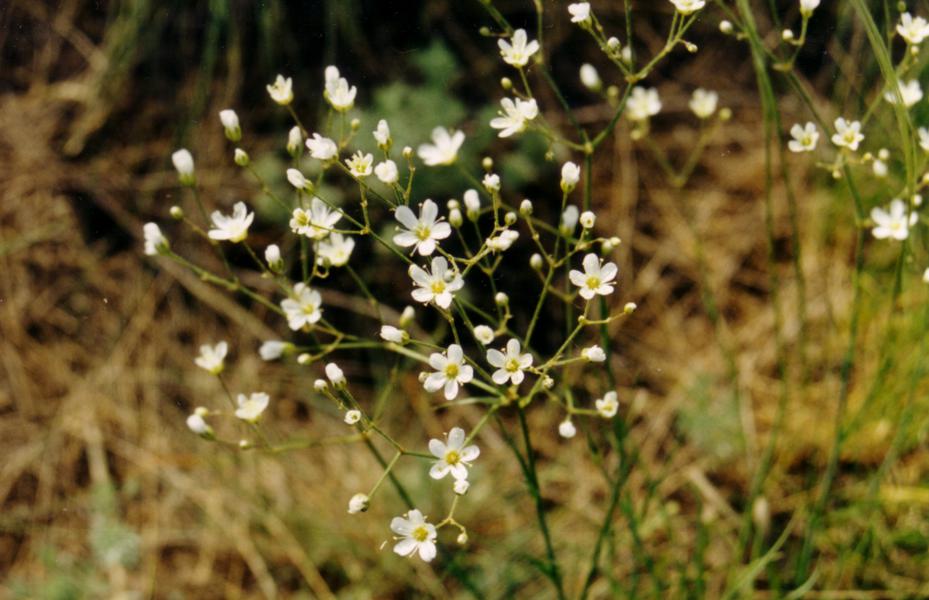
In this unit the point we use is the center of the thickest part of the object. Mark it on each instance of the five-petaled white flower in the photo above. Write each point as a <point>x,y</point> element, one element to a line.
<point>211,357</point>
<point>608,405</point>
<point>337,92</point>
<point>451,371</point>
<point>360,164</point>
<point>596,278</point>
<point>454,457</point>
<point>910,91</point>
<point>322,148</point>
<point>416,535</point>
<point>514,116</point>
<point>643,103</point>
<point>510,366</point>
<point>315,223</point>
<point>847,134</point>
<point>913,30</point>
<point>518,50</point>
<point>423,232</point>
<point>580,12</point>
<point>234,227</point>
<point>282,90</point>
<point>444,147</point>
<point>303,308</point>
<point>251,407</point>
<point>438,286</point>
<point>805,137</point>
<point>686,7</point>
<point>893,223</point>
<point>155,241</point>
<point>703,103</point>
<point>336,249</point>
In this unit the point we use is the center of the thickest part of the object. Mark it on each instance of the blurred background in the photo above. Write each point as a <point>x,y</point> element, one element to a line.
<point>106,494</point>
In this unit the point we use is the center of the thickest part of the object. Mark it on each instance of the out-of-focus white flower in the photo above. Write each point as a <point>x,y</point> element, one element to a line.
<point>416,535</point>
<point>335,249</point>
<point>518,50</point>
<point>910,91</point>
<point>514,116</point>
<point>360,165</point>
<point>502,241</point>
<point>298,180</point>
<point>580,12</point>
<point>847,134</point>
<point>196,422</point>
<point>387,172</point>
<point>484,334</point>
<point>510,365</point>
<point>913,30</point>
<point>879,168</point>
<point>570,175</point>
<point>155,241</point>
<point>805,137</point>
<point>211,357</point>
<point>358,503</point>
<point>472,202</point>
<point>250,407</point>
<point>593,354</point>
<point>686,7</point>
<point>569,219</point>
<point>322,148</point>
<point>183,162</point>
<point>382,135</point>
<point>566,429</point>
<point>407,316</point>
<point>608,405</point>
<point>926,276</point>
<point>444,147</point>
<point>273,258</point>
<point>294,141</point>
<point>703,103</point>
<point>424,232</point>
<point>240,157</point>
<point>923,138</point>
<point>491,182</point>
<point>282,90</point>
<point>335,374</point>
<point>315,223</point>
<point>893,223</point>
<point>453,456</point>
<point>352,416</point>
<point>451,371</point>
<point>461,487</point>
<point>590,78</point>
<point>303,308</point>
<point>230,122</point>
<point>808,6</point>
<point>389,333</point>
<point>643,103</point>
<point>233,228</point>
<point>338,93</point>
<point>437,286</point>
<point>588,219</point>
<point>596,279</point>
<point>274,349</point>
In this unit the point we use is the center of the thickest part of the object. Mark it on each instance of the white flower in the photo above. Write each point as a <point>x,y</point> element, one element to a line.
<point>424,232</point>
<point>805,137</point>
<point>322,148</point>
<point>686,7</point>
<point>893,223</point>
<point>336,249</point>
<point>294,141</point>
<point>273,258</point>
<point>451,371</point>
<point>335,374</point>
<point>593,354</point>
<point>596,278</point>
<point>703,103</point>
<point>643,103</point>
<point>515,115</point>
<point>608,405</point>
<point>234,227</point>
<point>387,172</point>
<point>588,219</point>
<point>518,50</point>
<point>298,180</point>
<point>909,91</point>
<point>416,535</point>
<point>230,122</point>
<point>358,503</point>
<point>453,456</point>
<point>438,286</point>
<point>808,6</point>
<point>444,147</point>
<point>352,416</point>
<point>590,78</point>
<point>303,308</point>
<point>484,334</point>
<point>570,175</point>
<point>315,223</point>
<point>211,357</point>
<point>282,90</point>
<point>155,242</point>
<point>273,349</point>
<point>510,365</point>
<point>923,138</point>
<point>461,488</point>
<point>580,12</point>
<point>197,424</point>
<point>389,333</point>
<point>848,134</point>
<point>337,92</point>
<point>566,429</point>
<point>491,182</point>
<point>360,164</point>
<point>251,407</point>
<point>502,241</point>
<point>569,220</point>
<point>879,167</point>
<point>382,135</point>
<point>913,30</point>
<point>184,165</point>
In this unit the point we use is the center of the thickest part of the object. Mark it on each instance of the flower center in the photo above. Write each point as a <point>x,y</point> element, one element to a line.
<point>309,309</point>
<point>420,534</point>
<point>593,282</point>
<point>438,286</point>
<point>452,457</point>
<point>512,365</point>
<point>451,370</point>
<point>423,232</point>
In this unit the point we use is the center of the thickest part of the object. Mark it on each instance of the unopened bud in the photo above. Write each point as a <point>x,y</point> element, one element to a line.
<point>535,261</point>
<point>177,213</point>
<point>525,207</point>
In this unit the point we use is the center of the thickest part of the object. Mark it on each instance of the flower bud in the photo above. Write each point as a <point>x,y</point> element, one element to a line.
<point>407,153</point>
<point>509,218</point>
<point>472,202</point>
<point>358,503</point>
<point>184,165</point>
<point>176,212</point>
<point>630,307</point>
<point>461,486</point>
<point>613,44</point>
<point>566,429</point>
<point>487,163</point>
<point>454,218</point>
<point>525,207</point>
<point>484,334</point>
<point>320,385</point>
<point>355,124</point>
<point>501,299</point>
<point>787,35</point>
<point>570,175</point>
<point>535,261</point>
<point>547,382</point>
<point>725,27</point>
<point>273,258</point>
<point>335,375</point>
<point>241,158</point>
<point>590,78</point>
<point>230,122</point>
<point>462,538</point>
<point>352,416</point>
<point>506,83</point>
<point>588,219</point>
<point>304,358</point>
<point>392,334</point>
<point>382,135</point>
<point>593,354</point>
<point>452,204</point>
<point>297,179</point>
<point>568,220</point>
<point>294,142</point>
